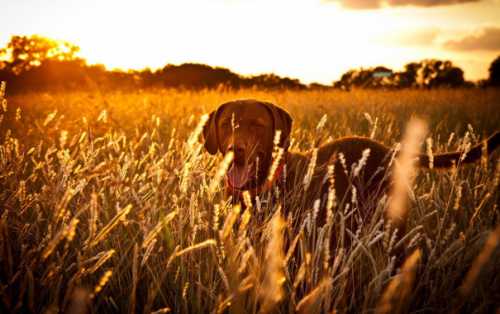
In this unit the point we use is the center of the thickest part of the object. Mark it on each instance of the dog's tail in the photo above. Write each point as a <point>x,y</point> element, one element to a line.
<point>448,160</point>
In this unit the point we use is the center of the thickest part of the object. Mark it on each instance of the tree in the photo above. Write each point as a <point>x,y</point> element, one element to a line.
<point>437,73</point>
<point>494,79</point>
<point>25,52</point>
<point>429,73</point>
<point>408,78</point>
<point>196,76</point>
<point>377,77</point>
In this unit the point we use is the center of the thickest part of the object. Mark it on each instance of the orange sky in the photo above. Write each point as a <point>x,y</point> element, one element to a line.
<point>313,40</point>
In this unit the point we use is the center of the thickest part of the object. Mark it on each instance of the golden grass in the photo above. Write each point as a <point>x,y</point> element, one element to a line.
<point>109,203</point>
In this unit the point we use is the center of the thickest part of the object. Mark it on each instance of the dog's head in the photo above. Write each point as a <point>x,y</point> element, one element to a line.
<point>247,128</point>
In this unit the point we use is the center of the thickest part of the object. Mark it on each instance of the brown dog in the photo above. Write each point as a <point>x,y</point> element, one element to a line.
<point>247,127</point>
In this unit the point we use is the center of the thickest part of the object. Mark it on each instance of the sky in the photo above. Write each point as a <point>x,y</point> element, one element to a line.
<point>313,40</point>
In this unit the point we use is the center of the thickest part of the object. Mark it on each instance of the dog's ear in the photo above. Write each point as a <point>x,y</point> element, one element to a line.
<point>282,121</point>
<point>210,133</point>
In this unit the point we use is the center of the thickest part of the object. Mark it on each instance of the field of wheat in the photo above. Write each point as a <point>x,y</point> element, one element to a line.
<point>109,203</point>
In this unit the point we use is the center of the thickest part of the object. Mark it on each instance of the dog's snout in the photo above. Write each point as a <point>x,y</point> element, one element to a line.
<point>236,149</point>
<point>239,153</point>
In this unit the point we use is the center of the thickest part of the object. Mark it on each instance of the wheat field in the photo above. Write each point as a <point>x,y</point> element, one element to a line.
<point>107,206</point>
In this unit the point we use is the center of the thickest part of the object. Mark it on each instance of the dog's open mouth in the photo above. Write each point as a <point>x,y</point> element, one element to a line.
<point>239,176</point>
<point>245,175</point>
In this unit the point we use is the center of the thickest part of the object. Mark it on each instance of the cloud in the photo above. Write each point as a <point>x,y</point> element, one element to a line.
<point>486,39</point>
<point>376,4</point>
<point>424,37</point>
<point>409,37</point>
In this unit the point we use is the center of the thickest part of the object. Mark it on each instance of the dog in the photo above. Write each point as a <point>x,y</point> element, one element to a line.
<point>248,129</point>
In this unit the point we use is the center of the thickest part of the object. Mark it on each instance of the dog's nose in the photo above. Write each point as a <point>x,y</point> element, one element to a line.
<point>239,153</point>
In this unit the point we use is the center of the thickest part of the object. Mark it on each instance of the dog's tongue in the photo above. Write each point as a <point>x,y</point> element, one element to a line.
<point>238,175</point>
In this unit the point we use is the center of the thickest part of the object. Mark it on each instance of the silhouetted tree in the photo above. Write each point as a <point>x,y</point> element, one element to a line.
<point>436,73</point>
<point>408,78</point>
<point>272,81</point>
<point>25,52</point>
<point>378,77</point>
<point>196,76</point>
<point>494,70</point>
<point>427,73</point>
<point>35,62</point>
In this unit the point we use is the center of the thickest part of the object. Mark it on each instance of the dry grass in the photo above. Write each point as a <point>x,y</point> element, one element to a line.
<point>109,204</point>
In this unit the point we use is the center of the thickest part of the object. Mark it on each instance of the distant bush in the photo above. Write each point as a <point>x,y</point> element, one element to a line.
<point>494,70</point>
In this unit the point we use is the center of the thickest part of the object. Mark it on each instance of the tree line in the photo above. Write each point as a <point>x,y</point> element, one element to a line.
<point>38,63</point>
